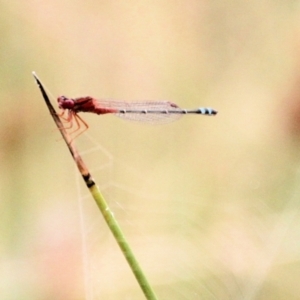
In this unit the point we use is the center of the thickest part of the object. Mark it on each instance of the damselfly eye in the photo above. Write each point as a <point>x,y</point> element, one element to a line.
<point>65,103</point>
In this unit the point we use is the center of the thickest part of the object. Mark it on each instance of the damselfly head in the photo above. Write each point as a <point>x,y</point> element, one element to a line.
<point>65,103</point>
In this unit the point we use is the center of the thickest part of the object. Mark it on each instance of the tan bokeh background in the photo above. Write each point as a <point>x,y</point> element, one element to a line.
<point>209,205</point>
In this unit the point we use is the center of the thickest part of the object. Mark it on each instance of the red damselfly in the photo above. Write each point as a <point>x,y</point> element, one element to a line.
<point>147,111</point>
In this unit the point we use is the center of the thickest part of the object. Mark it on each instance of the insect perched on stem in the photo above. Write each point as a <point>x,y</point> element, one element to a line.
<point>147,111</point>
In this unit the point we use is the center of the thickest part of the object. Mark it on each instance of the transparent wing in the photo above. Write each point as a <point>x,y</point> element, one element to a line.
<point>147,111</point>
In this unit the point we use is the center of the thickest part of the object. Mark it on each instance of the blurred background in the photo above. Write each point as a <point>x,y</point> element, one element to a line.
<point>210,205</point>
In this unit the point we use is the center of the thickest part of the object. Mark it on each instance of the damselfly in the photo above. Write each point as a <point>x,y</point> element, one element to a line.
<point>148,111</point>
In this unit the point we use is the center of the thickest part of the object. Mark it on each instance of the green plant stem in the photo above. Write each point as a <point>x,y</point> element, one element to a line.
<point>121,240</point>
<point>101,203</point>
